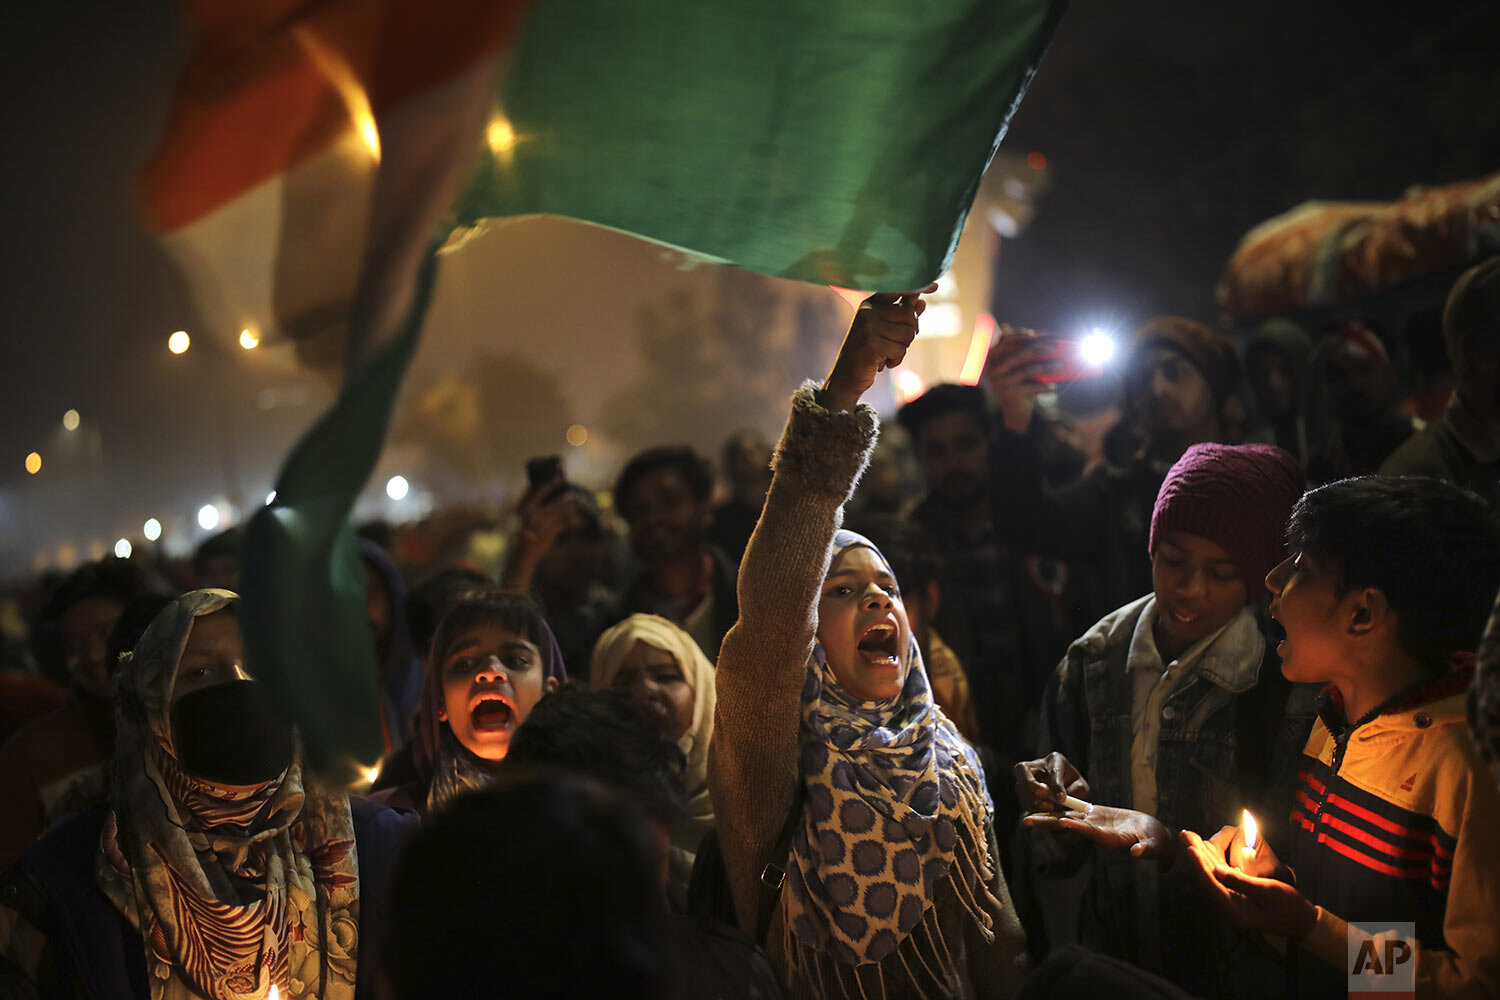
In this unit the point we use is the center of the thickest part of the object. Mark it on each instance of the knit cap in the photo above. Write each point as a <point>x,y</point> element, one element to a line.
<point>1209,350</point>
<point>1237,496</point>
<point>1471,318</point>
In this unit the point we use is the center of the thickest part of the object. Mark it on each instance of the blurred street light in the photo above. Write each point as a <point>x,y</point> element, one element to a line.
<point>33,463</point>
<point>70,420</point>
<point>396,487</point>
<point>151,529</point>
<point>178,342</point>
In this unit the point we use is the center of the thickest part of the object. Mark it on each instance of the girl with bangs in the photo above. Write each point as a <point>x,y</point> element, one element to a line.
<point>493,658</point>
<point>855,826</point>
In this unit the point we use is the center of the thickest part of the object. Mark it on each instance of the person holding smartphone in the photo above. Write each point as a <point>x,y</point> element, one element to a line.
<point>1182,387</point>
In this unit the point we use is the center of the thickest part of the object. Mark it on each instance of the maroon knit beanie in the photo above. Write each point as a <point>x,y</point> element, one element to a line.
<point>1237,496</point>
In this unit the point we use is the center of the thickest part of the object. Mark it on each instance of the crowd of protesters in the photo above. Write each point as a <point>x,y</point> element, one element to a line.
<point>1176,715</point>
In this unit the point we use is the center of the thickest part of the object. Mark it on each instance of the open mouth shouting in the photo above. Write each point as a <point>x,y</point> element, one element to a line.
<point>492,712</point>
<point>878,645</point>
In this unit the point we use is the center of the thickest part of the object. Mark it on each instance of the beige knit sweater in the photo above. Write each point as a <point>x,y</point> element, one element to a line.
<point>761,668</point>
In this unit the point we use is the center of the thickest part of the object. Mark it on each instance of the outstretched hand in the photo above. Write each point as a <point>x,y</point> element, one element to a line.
<point>1113,829</point>
<point>1248,901</point>
<point>883,329</point>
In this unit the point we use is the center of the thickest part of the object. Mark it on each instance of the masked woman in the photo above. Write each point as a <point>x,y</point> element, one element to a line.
<point>855,826</point>
<point>218,869</point>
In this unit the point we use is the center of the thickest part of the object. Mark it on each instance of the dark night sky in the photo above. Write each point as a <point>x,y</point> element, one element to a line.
<point>1170,128</point>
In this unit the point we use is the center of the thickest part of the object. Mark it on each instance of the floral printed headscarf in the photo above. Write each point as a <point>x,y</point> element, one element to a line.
<point>232,888</point>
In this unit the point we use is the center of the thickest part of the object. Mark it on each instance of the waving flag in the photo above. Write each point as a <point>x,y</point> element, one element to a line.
<point>314,150</point>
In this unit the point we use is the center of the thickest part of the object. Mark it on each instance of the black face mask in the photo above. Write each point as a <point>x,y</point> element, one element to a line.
<point>231,735</point>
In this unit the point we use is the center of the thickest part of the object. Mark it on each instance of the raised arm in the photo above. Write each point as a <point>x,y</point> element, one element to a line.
<point>762,664</point>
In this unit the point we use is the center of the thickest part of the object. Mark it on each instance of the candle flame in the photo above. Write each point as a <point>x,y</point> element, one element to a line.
<point>1252,832</point>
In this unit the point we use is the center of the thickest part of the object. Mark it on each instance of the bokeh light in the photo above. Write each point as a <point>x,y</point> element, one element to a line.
<point>122,548</point>
<point>397,487</point>
<point>248,340</point>
<point>577,435</point>
<point>208,517</point>
<point>178,342</point>
<point>70,420</point>
<point>33,463</point>
<point>151,529</point>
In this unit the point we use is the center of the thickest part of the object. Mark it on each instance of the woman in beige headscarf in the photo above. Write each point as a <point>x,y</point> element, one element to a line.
<point>662,666</point>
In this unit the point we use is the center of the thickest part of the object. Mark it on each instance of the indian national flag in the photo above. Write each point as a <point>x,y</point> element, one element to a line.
<point>316,149</point>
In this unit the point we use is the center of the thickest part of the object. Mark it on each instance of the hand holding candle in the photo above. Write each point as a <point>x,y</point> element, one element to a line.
<point>1244,849</point>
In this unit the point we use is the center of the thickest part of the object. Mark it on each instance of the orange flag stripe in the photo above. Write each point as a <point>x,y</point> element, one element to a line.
<point>253,101</point>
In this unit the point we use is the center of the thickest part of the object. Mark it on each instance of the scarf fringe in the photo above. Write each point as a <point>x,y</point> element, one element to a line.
<point>969,875</point>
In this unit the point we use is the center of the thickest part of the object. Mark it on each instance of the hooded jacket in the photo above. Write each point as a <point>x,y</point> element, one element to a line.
<point>1395,820</point>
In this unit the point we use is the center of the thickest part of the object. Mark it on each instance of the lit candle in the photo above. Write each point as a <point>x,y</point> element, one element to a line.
<point>1251,836</point>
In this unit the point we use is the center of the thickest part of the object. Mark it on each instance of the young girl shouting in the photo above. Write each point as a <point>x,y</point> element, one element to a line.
<point>853,819</point>
<point>493,658</point>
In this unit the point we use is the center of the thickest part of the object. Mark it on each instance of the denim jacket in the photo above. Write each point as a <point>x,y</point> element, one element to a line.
<point>1159,920</point>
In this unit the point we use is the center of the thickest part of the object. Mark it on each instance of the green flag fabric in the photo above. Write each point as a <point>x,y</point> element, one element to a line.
<point>838,142</point>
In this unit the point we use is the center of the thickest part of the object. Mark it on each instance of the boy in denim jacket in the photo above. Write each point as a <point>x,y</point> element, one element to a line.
<point>1169,714</point>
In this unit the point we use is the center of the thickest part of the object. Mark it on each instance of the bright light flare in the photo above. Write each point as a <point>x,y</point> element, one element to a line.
<point>179,342</point>
<point>151,529</point>
<point>270,498</point>
<point>275,994</point>
<point>208,517</point>
<point>70,420</point>
<point>336,69</point>
<point>1252,832</point>
<point>397,487</point>
<point>979,349</point>
<point>500,135</point>
<point>248,340</point>
<point>909,385</point>
<point>370,773</point>
<point>34,463</point>
<point>122,548</point>
<point>577,435</point>
<point>1097,348</point>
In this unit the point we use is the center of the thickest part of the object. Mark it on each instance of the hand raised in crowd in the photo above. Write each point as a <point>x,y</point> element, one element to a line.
<point>1012,373</point>
<point>546,512</point>
<point>1247,901</point>
<point>1042,784</point>
<point>1113,829</point>
<point>883,329</point>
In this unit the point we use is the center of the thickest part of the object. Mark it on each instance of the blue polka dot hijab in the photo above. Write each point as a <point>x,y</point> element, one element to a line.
<point>895,804</point>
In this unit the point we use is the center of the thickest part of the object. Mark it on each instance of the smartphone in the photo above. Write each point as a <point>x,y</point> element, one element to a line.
<point>1067,360</point>
<point>541,471</point>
